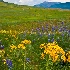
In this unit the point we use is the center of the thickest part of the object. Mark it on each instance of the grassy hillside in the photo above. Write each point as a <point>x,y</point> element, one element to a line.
<point>34,38</point>
<point>19,15</point>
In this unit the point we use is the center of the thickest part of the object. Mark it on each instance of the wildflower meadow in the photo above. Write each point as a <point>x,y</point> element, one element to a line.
<point>33,43</point>
<point>40,49</point>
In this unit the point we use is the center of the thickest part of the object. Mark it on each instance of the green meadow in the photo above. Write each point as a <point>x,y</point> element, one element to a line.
<point>11,14</point>
<point>34,38</point>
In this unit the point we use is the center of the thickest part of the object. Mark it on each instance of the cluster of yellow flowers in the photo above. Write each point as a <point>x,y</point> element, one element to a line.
<point>21,45</point>
<point>13,47</point>
<point>3,31</point>
<point>12,33</point>
<point>26,42</point>
<point>56,52</point>
<point>2,52</point>
<point>8,32</point>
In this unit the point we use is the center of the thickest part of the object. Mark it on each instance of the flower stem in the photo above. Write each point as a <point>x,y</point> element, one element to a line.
<point>24,59</point>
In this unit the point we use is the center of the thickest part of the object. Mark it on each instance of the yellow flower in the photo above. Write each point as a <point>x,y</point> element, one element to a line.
<point>68,56</point>
<point>10,31</point>
<point>26,42</point>
<point>42,46</point>
<point>14,36</point>
<point>3,51</point>
<point>63,58</point>
<point>4,61</point>
<point>21,46</point>
<point>0,51</point>
<point>3,31</point>
<point>13,47</point>
<point>48,44</point>
<point>6,38</point>
<point>55,58</point>
<point>42,56</point>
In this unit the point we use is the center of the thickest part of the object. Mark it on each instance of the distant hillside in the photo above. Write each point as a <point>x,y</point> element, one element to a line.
<point>54,5</point>
<point>61,5</point>
<point>46,4</point>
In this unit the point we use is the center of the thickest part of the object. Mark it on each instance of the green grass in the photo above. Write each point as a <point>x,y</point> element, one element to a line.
<point>11,14</point>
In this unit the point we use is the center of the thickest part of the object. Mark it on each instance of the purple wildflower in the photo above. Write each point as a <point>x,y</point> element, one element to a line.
<point>9,63</point>
<point>1,47</point>
<point>52,40</point>
<point>28,59</point>
<point>49,40</point>
<point>53,28</point>
<point>62,23</point>
<point>42,28</point>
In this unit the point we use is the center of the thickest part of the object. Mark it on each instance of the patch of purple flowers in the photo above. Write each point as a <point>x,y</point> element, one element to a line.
<point>9,63</point>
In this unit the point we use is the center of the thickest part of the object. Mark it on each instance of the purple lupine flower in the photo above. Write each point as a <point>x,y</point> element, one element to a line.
<point>1,47</point>
<point>56,27</point>
<point>49,40</point>
<point>9,63</point>
<point>62,23</point>
<point>46,25</point>
<point>53,28</point>
<point>38,30</point>
<point>42,28</point>
<point>64,28</point>
<point>60,29</point>
<point>52,40</point>
<point>62,34</point>
<point>69,31</point>
<point>27,59</point>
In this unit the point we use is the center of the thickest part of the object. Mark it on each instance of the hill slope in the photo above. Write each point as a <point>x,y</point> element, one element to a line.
<point>46,4</point>
<point>54,5</point>
<point>12,14</point>
<point>61,5</point>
